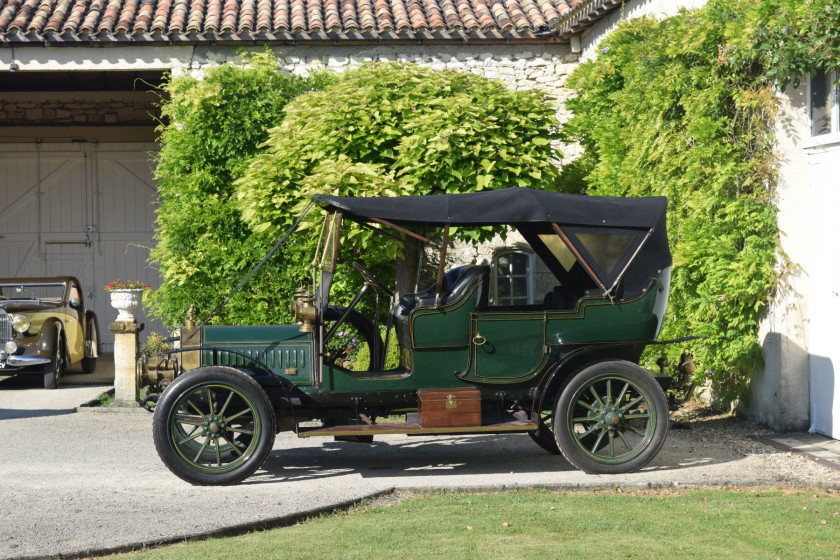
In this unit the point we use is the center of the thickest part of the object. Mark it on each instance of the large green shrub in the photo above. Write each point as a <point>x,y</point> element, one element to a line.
<point>212,127</point>
<point>684,107</point>
<point>395,129</point>
<point>786,39</point>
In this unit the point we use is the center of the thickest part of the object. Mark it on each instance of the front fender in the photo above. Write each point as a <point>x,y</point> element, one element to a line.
<point>48,341</point>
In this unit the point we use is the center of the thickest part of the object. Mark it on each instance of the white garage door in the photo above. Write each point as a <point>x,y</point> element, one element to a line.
<point>824,297</point>
<point>79,209</point>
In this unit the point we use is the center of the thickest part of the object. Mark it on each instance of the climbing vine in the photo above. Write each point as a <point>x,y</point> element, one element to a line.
<point>684,107</point>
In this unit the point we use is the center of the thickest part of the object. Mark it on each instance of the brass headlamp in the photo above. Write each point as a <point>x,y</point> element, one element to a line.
<point>304,310</point>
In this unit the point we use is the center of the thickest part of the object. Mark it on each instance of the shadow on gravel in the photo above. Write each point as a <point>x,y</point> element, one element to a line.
<point>8,414</point>
<point>465,455</point>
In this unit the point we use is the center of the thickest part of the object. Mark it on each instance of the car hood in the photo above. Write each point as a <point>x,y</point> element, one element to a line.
<point>12,306</point>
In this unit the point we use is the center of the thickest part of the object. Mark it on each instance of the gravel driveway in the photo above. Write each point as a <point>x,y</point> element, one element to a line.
<point>74,482</point>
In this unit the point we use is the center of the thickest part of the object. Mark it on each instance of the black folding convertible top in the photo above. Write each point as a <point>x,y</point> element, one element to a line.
<point>634,227</point>
<point>504,206</point>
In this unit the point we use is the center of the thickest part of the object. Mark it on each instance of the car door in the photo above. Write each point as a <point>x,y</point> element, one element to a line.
<point>506,347</point>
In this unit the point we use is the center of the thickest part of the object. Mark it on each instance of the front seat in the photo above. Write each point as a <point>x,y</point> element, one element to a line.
<point>453,285</point>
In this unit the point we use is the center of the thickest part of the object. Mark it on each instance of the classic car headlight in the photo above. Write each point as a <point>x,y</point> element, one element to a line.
<point>21,323</point>
<point>10,346</point>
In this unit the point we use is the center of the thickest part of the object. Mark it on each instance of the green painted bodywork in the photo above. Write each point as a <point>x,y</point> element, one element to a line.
<point>447,350</point>
<point>517,344</point>
<point>281,348</point>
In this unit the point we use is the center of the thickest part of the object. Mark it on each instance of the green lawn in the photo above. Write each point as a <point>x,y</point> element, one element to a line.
<point>536,524</point>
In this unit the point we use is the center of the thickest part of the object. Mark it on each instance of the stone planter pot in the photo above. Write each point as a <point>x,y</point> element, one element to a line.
<point>126,301</point>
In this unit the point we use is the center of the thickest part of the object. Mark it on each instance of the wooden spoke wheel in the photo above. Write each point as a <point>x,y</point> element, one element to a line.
<point>214,426</point>
<point>611,417</point>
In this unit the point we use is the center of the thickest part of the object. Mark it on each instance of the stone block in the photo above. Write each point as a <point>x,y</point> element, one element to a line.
<point>34,114</point>
<point>537,62</point>
<point>125,114</point>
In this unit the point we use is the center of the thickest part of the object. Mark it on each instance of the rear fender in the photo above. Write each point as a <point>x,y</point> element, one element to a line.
<point>574,361</point>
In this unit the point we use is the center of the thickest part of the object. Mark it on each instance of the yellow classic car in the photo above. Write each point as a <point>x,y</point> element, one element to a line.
<point>45,328</point>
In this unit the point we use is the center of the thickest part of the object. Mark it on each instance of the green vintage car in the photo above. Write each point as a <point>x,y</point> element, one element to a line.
<point>564,370</point>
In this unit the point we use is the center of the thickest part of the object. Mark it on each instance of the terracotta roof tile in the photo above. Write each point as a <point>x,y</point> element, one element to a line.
<point>199,20</point>
<point>91,18</point>
<point>195,20</point>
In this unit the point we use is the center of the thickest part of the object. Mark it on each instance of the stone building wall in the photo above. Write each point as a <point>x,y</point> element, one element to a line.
<point>78,108</point>
<point>519,67</point>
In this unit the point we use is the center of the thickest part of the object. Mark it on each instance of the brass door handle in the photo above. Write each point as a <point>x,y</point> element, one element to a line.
<point>479,340</point>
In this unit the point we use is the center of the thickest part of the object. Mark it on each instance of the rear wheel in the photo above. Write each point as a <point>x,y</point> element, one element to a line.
<point>611,417</point>
<point>91,346</point>
<point>214,426</point>
<point>54,370</point>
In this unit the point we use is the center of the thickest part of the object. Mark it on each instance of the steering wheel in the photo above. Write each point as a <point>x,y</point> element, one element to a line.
<point>371,279</point>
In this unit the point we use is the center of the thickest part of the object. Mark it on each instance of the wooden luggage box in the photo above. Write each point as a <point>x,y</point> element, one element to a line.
<point>458,406</point>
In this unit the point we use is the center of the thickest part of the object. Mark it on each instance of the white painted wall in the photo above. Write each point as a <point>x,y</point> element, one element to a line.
<point>824,275</point>
<point>779,395</point>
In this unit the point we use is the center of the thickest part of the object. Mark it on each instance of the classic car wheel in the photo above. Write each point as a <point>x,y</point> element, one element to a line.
<point>91,340</point>
<point>611,417</point>
<point>213,426</point>
<point>543,435</point>
<point>55,369</point>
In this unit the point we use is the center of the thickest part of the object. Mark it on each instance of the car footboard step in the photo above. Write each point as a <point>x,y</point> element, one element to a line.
<point>416,429</point>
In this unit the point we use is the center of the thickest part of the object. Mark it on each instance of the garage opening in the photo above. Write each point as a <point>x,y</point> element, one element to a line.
<point>78,193</point>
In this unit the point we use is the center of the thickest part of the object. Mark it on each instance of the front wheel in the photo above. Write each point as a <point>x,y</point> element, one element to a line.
<point>214,426</point>
<point>54,370</point>
<point>611,417</point>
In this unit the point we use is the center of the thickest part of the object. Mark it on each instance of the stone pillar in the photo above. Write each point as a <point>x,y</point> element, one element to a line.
<point>126,352</point>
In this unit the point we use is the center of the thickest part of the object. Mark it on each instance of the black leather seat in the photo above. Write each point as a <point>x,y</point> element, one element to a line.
<point>453,286</point>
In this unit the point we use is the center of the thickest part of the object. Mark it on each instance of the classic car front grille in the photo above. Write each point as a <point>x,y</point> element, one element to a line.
<point>5,326</point>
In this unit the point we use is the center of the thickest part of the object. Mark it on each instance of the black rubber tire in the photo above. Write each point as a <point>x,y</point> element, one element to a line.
<point>254,453</point>
<point>366,329</point>
<point>544,437</point>
<point>89,364</point>
<point>656,428</point>
<point>54,370</point>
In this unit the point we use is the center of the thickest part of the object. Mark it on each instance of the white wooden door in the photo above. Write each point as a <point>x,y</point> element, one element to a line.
<point>79,209</point>
<point>824,296</point>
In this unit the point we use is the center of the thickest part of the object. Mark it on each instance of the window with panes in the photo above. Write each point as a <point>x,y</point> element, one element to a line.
<point>514,278</point>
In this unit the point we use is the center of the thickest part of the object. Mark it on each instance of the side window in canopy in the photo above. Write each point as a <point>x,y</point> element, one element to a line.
<point>607,249</point>
<point>559,249</point>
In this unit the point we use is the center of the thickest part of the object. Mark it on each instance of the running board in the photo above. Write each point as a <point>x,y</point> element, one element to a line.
<point>416,429</point>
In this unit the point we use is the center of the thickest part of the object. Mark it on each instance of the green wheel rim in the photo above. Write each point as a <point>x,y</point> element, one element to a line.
<point>611,418</point>
<point>214,427</point>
